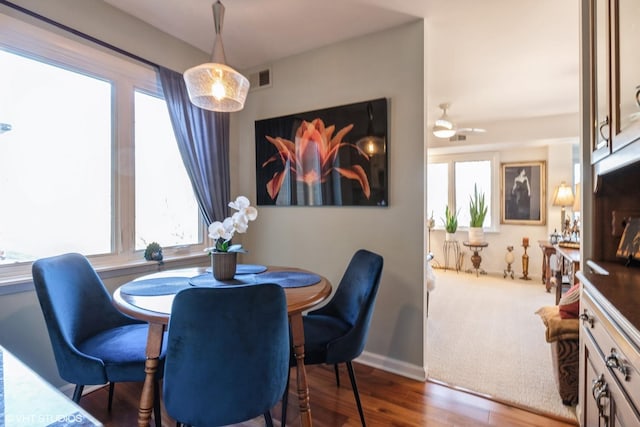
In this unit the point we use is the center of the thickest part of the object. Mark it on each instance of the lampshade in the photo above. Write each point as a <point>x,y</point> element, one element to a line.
<point>563,196</point>
<point>576,200</point>
<point>443,127</point>
<point>215,86</point>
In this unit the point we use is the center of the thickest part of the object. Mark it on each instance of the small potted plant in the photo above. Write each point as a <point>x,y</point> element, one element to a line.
<point>153,252</point>
<point>223,253</point>
<point>477,212</point>
<point>450,223</point>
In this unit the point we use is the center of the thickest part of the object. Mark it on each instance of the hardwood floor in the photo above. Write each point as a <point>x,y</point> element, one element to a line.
<point>388,400</point>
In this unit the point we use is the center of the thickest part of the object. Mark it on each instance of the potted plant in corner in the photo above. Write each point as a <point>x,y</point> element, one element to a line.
<point>450,223</point>
<point>477,212</point>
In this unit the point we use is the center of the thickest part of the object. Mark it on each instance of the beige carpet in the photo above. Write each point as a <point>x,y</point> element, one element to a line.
<point>483,335</point>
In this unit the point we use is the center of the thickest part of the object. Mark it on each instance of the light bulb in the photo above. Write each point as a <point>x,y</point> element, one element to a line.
<point>371,148</point>
<point>217,90</point>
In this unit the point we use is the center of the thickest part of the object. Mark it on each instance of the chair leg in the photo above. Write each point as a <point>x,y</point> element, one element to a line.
<point>157,412</point>
<point>335,368</point>
<point>77,393</point>
<point>352,377</point>
<point>267,419</point>
<point>112,385</point>
<point>285,401</point>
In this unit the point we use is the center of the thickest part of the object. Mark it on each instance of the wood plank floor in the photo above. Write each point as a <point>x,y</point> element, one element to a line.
<point>388,400</point>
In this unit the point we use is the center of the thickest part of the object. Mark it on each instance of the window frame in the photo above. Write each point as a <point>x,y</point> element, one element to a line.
<point>127,76</point>
<point>450,160</point>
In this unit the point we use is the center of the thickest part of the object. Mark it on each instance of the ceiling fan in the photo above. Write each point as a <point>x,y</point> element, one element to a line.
<point>444,127</point>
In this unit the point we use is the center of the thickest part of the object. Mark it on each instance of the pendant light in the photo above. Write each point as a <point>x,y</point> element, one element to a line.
<point>215,86</point>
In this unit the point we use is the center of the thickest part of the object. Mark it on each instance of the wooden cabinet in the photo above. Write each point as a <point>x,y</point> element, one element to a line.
<point>609,361</point>
<point>615,75</point>
<point>625,77</point>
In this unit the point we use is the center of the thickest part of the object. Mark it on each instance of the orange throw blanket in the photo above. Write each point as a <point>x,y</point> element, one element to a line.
<point>557,327</point>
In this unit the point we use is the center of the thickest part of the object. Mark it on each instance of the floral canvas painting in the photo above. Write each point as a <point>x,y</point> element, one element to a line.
<point>335,156</point>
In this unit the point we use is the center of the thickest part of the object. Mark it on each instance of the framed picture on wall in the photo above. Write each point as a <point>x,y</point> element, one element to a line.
<point>523,189</point>
<point>336,156</point>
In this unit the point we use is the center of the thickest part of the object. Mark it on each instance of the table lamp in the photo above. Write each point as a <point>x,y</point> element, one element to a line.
<point>563,197</point>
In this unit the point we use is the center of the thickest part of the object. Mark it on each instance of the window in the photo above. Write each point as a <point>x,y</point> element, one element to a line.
<point>166,209</point>
<point>90,164</point>
<point>451,180</point>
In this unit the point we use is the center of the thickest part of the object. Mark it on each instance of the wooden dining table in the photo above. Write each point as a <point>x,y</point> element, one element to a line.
<point>156,310</point>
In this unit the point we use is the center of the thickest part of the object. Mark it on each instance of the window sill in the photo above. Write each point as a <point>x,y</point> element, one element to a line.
<point>24,282</point>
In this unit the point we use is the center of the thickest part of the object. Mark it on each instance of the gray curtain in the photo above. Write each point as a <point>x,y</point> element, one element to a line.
<point>203,140</point>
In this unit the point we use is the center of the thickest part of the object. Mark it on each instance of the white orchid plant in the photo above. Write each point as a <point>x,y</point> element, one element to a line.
<point>222,232</point>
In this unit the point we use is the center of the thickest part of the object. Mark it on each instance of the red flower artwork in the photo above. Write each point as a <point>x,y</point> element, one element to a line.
<point>312,157</point>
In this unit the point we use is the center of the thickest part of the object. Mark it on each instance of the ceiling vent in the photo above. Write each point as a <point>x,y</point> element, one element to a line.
<point>260,79</point>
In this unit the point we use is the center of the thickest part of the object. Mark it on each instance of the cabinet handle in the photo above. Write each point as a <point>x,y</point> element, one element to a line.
<point>600,391</point>
<point>585,317</point>
<point>614,362</point>
<point>605,123</point>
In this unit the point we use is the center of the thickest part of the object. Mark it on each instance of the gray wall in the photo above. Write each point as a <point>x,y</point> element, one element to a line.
<point>387,64</point>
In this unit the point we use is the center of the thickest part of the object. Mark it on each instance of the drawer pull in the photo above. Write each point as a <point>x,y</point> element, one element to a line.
<point>587,318</point>
<point>614,362</point>
<point>600,391</point>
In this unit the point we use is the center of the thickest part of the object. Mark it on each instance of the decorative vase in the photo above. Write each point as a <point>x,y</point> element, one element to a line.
<point>476,235</point>
<point>449,237</point>
<point>223,265</point>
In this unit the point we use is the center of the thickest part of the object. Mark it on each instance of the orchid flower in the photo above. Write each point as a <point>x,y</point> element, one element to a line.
<point>222,232</point>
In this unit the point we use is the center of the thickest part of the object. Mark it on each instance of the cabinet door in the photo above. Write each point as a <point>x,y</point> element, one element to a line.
<point>626,72</point>
<point>594,393</point>
<point>600,48</point>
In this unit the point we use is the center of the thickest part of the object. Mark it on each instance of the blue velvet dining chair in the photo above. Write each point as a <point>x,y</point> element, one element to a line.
<point>93,343</point>
<point>227,354</point>
<point>337,332</point>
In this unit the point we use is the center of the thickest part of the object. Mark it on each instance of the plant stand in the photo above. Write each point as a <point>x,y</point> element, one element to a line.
<point>451,248</point>
<point>476,259</point>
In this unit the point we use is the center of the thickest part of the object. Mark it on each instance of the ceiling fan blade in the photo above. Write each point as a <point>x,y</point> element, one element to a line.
<point>470,130</point>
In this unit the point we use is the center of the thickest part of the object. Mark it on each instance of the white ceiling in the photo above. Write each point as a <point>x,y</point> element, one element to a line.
<point>492,60</point>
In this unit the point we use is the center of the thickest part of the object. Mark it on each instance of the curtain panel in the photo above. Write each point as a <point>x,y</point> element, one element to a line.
<point>203,141</point>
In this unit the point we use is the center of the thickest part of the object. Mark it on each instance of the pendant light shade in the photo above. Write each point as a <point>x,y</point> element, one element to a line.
<point>215,86</point>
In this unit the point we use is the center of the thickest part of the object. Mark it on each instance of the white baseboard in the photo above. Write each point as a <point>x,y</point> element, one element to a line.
<point>394,366</point>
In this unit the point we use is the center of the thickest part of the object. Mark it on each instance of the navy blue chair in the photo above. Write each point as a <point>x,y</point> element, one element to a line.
<point>93,343</point>
<point>337,332</point>
<point>227,354</point>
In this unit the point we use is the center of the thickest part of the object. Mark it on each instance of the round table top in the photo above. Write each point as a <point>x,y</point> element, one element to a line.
<point>157,308</point>
<point>476,245</point>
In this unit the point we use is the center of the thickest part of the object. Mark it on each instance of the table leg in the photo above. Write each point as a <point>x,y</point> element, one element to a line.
<point>297,334</point>
<point>154,348</point>
<point>546,267</point>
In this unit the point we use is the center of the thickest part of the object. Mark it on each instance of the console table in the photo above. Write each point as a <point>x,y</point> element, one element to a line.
<point>476,259</point>
<point>547,250</point>
<point>570,257</point>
